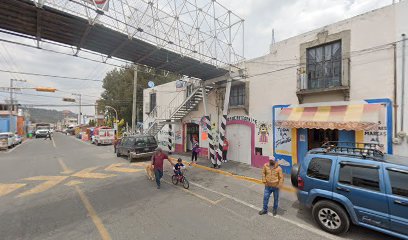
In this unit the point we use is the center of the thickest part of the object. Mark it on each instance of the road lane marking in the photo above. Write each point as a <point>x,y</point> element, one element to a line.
<point>53,143</point>
<point>87,173</point>
<point>64,167</point>
<point>50,181</point>
<point>116,167</point>
<point>197,195</point>
<point>92,213</point>
<point>73,183</point>
<point>301,225</point>
<point>8,188</point>
<point>240,177</point>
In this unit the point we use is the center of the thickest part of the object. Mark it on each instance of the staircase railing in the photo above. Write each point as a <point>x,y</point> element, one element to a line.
<point>161,113</point>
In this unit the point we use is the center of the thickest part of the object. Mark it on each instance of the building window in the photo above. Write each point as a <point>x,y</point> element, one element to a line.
<point>152,101</point>
<point>319,168</point>
<point>359,176</point>
<point>237,95</point>
<point>324,66</point>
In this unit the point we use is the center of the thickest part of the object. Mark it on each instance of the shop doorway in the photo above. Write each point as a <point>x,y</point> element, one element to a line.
<point>316,137</point>
<point>193,132</point>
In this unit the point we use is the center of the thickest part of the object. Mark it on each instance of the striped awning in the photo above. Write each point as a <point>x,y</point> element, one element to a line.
<point>346,117</point>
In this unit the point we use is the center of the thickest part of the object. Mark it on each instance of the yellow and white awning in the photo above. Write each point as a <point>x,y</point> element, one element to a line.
<point>345,117</point>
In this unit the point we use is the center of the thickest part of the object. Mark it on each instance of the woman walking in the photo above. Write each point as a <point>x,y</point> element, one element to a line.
<point>195,151</point>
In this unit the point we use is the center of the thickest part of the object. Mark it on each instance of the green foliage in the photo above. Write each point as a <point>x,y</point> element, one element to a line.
<point>118,85</point>
<point>92,123</point>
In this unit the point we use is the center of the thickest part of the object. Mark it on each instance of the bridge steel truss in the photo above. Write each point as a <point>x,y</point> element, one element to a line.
<point>202,30</point>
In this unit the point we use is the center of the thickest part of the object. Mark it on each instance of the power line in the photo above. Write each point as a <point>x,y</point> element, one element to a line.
<point>53,76</point>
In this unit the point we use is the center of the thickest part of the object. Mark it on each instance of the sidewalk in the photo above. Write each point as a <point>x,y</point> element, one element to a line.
<point>234,169</point>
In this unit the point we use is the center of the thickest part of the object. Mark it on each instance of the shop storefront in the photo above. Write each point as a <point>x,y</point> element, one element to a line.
<point>297,129</point>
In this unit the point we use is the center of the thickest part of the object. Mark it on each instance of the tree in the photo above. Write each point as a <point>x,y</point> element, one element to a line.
<point>118,85</point>
<point>92,123</point>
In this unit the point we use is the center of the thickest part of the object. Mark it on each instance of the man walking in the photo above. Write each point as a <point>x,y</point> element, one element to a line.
<point>157,163</point>
<point>225,147</point>
<point>272,177</point>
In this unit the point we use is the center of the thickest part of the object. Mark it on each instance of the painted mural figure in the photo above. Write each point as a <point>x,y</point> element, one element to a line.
<point>264,133</point>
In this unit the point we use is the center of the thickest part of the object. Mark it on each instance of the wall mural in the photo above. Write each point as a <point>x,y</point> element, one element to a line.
<point>263,132</point>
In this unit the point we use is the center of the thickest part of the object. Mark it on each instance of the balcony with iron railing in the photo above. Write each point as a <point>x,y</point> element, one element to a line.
<point>307,86</point>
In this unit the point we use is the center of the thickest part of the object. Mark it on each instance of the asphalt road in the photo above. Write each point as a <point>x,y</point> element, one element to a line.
<point>68,189</point>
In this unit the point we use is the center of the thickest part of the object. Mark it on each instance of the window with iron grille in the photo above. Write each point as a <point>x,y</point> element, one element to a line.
<point>237,95</point>
<point>152,101</point>
<point>324,66</point>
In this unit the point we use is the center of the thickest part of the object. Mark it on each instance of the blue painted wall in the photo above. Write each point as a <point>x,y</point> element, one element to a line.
<point>4,125</point>
<point>302,145</point>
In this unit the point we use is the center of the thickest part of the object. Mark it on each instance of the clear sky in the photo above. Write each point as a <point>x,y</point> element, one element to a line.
<point>288,18</point>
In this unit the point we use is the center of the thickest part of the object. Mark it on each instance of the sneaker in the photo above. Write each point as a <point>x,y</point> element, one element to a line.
<point>262,212</point>
<point>274,212</point>
<point>158,187</point>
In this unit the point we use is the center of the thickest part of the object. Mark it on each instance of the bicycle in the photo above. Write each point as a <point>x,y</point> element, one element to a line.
<point>175,179</point>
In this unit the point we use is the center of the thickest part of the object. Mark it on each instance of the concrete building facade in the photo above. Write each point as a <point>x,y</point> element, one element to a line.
<point>341,82</point>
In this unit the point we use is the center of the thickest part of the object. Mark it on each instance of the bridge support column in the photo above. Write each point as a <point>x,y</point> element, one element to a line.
<point>223,122</point>
<point>211,148</point>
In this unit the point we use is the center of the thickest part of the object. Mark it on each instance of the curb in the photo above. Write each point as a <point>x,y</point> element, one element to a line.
<point>236,176</point>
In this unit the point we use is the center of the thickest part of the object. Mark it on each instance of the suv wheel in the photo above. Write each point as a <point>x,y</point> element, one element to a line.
<point>294,173</point>
<point>331,217</point>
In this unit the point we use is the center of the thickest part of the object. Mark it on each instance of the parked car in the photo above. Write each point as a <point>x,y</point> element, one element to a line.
<point>349,185</point>
<point>3,142</point>
<point>136,147</point>
<point>10,139</point>
<point>17,139</point>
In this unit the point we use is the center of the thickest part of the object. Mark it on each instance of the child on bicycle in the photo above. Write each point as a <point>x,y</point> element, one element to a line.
<point>178,167</point>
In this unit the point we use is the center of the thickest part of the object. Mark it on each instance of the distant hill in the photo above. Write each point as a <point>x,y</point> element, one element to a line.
<point>50,116</point>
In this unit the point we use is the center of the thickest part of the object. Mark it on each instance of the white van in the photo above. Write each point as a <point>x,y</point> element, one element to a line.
<point>10,138</point>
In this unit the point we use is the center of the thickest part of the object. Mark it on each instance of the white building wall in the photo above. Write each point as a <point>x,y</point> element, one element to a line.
<point>401,26</point>
<point>273,78</point>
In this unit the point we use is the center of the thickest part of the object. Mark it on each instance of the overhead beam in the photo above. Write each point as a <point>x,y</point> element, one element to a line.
<point>170,62</point>
<point>38,34</point>
<point>83,38</point>
<point>147,55</point>
<point>123,44</point>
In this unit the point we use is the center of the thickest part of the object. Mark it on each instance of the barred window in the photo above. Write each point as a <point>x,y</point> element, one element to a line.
<point>237,95</point>
<point>324,66</point>
<point>152,101</point>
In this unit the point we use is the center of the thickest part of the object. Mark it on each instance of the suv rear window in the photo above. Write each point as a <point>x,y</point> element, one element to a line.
<point>151,140</point>
<point>319,168</point>
<point>360,176</point>
<point>399,181</point>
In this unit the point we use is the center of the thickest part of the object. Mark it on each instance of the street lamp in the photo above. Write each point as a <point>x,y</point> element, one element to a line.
<point>116,117</point>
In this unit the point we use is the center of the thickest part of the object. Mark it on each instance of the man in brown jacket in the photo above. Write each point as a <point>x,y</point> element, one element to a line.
<point>272,177</point>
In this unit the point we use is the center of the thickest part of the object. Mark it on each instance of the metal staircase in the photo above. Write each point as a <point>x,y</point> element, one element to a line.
<point>178,108</point>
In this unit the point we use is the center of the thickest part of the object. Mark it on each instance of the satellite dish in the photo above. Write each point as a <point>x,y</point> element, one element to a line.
<point>150,84</point>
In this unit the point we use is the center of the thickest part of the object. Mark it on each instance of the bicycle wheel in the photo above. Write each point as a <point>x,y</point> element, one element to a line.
<point>174,179</point>
<point>186,184</point>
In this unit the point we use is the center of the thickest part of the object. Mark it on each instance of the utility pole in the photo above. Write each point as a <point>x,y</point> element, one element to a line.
<point>11,101</point>
<point>80,107</point>
<point>134,99</point>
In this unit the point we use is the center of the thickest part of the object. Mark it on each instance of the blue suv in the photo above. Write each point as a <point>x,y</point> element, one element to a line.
<point>354,185</point>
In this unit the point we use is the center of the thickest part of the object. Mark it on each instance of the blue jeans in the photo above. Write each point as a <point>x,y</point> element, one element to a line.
<point>267,194</point>
<point>158,174</point>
